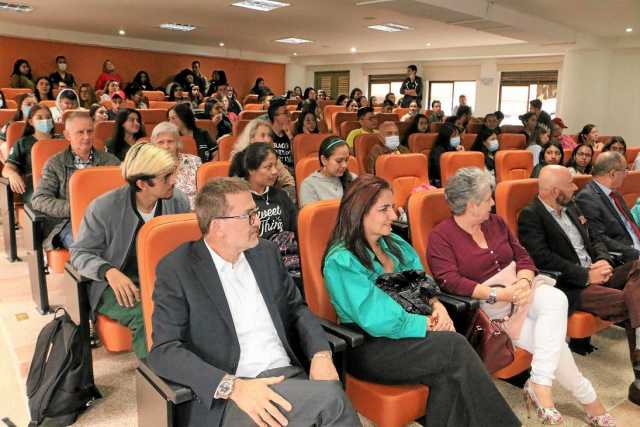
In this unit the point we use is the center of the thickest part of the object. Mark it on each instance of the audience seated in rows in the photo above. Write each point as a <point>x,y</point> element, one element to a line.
<point>462,117</point>
<point>388,143</point>
<point>487,143</point>
<point>51,198</point>
<point>557,127</point>
<point>530,131</point>
<point>129,129</point>
<point>589,135</point>
<point>401,347</point>
<point>67,99</point>
<point>25,103</point>
<point>181,115</point>
<point>551,154</point>
<point>87,96</point>
<point>214,110</point>
<point>307,123</point>
<point>44,89</point>
<point>368,123</point>
<point>419,124</point>
<point>540,324</point>
<point>448,140</point>
<point>414,109</point>
<point>281,131</point>
<point>99,113</point>
<point>559,237</point>
<point>436,115</point>
<point>542,117</point>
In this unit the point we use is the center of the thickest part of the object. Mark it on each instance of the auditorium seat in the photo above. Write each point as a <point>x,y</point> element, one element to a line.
<point>14,93</point>
<point>10,104</point>
<point>307,145</point>
<point>512,128</point>
<point>152,116</point>
<point>329,112</point>
<point>225,146</point>
<point>422,143</point>
<point>211,170</point>
<point>239,126</point>
<point>154,95</point>
<point>630,189</point>
<point>581,180</point>
<point>84,187</point>
<point>361,147</point>
<point>512,141</point>
<point>386,117</point>
<point>250,99</point>
<point>307,165</point>
<point>14,133</point>
<point>631,154</point>
<point>435,127</point>
<point>400,111</point>
<point>451,161</point>
<point>474,127</point>
<point>189,145</point>
<point>254,107</point>
<point>513,164</point>
<point>347,127</point>
<point>567,155</point>
<point>206,125</point>
<point>251,114</point>
<point>511,198</point>
<point>161,105</point>
<point>467,139</point>
<point>102,132</point>
<point>426,210</point>
<point>49,103</point>
<point>404,172</point>
<point>385,405</point>
<point>342,116</point>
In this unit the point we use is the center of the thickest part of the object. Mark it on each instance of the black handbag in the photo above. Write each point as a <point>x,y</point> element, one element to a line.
<point>412,289</point>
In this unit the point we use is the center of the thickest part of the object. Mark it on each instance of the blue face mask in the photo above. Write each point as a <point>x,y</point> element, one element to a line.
<point>455,141</point>
<point>43,126</point>
<point>493,145</point>
<point>26,109</point>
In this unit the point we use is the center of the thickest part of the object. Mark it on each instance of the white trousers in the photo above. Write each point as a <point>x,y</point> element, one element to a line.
<point>543,335</point>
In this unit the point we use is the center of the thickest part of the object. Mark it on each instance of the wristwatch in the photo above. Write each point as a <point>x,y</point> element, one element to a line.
<point>493,296</point>
<point>225,387</point>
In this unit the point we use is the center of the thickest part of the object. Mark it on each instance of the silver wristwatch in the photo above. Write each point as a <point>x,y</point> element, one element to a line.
<point>493,296</point>
<point>225,387</point>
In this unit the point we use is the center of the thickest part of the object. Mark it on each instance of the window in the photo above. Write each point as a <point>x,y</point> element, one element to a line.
<point>334,83</point>
<point>518,88</point>
<point>380,86</point>
<point>448,93</point>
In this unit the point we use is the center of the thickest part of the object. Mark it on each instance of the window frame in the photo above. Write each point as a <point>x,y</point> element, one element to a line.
<point>453,91</point>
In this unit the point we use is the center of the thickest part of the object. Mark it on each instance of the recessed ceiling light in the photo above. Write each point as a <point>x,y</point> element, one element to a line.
<point>293,40</point>
<point>354,50</point>
<point>15,7</point>
<point>628,30</point>
<point>428,44</point>
<point>122,32</point>
<point>261,5</point>
<point>221,44</point>
<point>390,27</point>
<point>178,27</point>
<point>295,53</point>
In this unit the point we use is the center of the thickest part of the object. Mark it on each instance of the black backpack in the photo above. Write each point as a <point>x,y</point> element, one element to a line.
<point>60,382</point>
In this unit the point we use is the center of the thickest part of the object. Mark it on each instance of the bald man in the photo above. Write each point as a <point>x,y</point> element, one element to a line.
<point>557,237</point>
<point>389,143</point>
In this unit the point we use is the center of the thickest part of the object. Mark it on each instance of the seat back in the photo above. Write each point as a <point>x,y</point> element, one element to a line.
<point>400,111</point>
<point>513,164</point>
<point>512,197</point>
<point>66,114</point>
<point>467,140</point>
<point>329,112</point>
<point>14,133</point>
<point>425,210</point>
<point>630,189</point>
<point>512,128</point>
<point>254,107</point>
<point>404,172</point>
<point>49,103</point>
<point>307,165</point>
<point>163,105</point>
<point>88,184</point>
<point>435,127</point>
<point>342,116</point>
<point>474,127</point>
<point>41,152</point>
<point>211,170</point>
<point>451,161</point>
<point>581,180</point>
<point>567,155</point>
<point>206,125</point>
<point>250,99</point>
<point>362,145</point>
<point>102,131</point>
<point>316,221</point>
<point>156,239</point>
<point>631,154</point>
<point>239,126</point>
<point>402,128</point>
<point>154,95</point>
<point>14,93</point>
<point>6,114</point>
<point>422,143</point>
<point>386,117</point>
<point>347,127</point>
<point>251,114</point>
<point>225,146</point>
<point>152,116</point>
<point>189,145</point>
<point>512,141</point>
<point>10,104</point>
<point>307,145</point>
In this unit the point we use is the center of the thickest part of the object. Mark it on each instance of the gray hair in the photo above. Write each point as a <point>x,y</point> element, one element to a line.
<point>166,127</point>
<point>249,132</point>
<point>211,201</point>
<point>467,185</point>
<point>608,161</point>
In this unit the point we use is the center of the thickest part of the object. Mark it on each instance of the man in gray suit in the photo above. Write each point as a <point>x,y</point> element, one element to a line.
<point>227,318</point>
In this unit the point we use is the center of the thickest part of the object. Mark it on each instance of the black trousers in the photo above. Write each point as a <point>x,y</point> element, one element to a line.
<point>461,391</point>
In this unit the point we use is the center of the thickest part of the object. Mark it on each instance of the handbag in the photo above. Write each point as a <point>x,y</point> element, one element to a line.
<point>412,289</point>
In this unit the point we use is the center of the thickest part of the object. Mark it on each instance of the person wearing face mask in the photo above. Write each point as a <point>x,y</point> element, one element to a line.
<point>61,74</point>
<point>448,139</point>
<point>67,100</point>
<point>487,143</point>
<point>17,169</point>
<point>25,103</point>
<point>388,143</point>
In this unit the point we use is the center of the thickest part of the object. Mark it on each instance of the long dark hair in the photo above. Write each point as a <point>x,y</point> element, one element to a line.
<point>19,100</point>
<point>546,147</point>
<point>444,136</point>
<point>250,159</point>
<point>478,144</point>
<point>300,122</point>
<point>256,88</point>
<point>28,128</point>
<point>138,79</point>
<point>118,142</point>
<point>341,98</point>
<point>572,160</point>
<point>50,96</point>
<point>329,146</point>
<point>16,68</point>
<point>173,89</point>
<point>586,130</point>
<point>362,194</point>
<point>413,128</point>
<point>185,114</point>
<point>613,140</point>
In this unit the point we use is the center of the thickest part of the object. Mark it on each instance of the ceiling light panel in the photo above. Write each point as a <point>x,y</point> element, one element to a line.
<point>293,40</point>
<point>390,27</point>
<point>177,27</point>
<point>261,5</point>
<point>15,7</point>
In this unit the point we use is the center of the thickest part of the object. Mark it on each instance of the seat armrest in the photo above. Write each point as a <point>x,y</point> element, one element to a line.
<point>337,344</point>
<point>551,273</point>
<point>175,393</point>
<point>352,338</point>
<point>458,303</point>
<point>32,214</point>
<point>74,274</point>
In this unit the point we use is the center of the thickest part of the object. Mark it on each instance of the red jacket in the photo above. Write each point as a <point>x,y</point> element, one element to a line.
<point>105,77</point>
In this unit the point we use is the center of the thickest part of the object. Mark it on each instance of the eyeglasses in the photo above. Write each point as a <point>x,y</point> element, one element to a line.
<point>583,154</point>
<point>251,216</point>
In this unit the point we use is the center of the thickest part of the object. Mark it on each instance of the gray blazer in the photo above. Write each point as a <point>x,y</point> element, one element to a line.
<point>107,231</point>
<point>194,339</point>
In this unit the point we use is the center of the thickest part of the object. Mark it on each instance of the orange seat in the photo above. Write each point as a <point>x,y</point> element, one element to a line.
<point>14,133</point>
<point>10,104</point>
<point>14,93</point>
<point>422,143</point>
<point>386,117</point>
<point>189,145</point>
<point>85,186</point>
<point>362,145</point>
<point>206,125</point>
<point>581,180</point>
<point>250,99</point>
<point>254,107</point>
<point>157,238</point>
<point>329,113</point>
<point>161,105</point>
<point>452,161</point>
<point>225,146</point>
<point>511,198</point>
<point>467,140</point>
<point>102,131</point>
<point>631,154</point>
<point>6,114</point>
<point>239,126</point>
<point>567,155</point>
<point>426,210</point>
<point>347,127</point>
<point>342,116</point>
<point>211,170</point>
<point>154,95</point>
<point>513,164</point>
<point>512,141</point>
<point>153,115</point>
<point>400,111</point>
<point>474,128</point>
<point>511,129</point>
<point>307,145</point>
<point>404,172</point>
<point>385,405</point>
<point>435,127</point>
<point>630,189</point>
<point>251,114</point>
<point>49,103</point>
<point>307,165</point>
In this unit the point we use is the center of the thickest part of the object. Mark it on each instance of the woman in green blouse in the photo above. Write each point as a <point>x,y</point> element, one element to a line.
<point>402,348</point>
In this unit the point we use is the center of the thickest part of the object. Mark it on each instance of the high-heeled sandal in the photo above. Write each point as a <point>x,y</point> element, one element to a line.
<point>546,416</point>
<point>604,420</point>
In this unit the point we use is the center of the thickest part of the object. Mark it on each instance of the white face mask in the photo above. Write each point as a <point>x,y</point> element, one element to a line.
<point>1,103</point>
<point>455,141</point>
<point>392,142</point>
<point>493,145</point>
<point>62,66</point>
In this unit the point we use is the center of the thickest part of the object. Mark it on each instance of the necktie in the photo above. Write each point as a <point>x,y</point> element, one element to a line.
<point>619,201</point>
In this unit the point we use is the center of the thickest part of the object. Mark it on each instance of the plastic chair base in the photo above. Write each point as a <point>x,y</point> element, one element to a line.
<point>521,362</point>
<point>582,324</point>
<point>387,405</point>
<point>115,337</point>
<point>56,259</point>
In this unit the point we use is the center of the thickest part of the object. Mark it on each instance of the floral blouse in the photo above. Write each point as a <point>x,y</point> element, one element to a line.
<point>188,165</point>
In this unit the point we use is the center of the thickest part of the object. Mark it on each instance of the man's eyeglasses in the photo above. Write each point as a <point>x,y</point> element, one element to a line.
<point>251,216</point>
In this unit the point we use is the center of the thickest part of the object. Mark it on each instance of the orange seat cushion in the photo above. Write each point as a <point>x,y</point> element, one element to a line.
<point>114,336</point>
<point>521,362</point>
<point>387,405</point>
<point>56,259</point>
<point>582,324</point>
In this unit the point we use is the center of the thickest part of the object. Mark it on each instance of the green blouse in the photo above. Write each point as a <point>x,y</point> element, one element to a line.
<point>358,300</point>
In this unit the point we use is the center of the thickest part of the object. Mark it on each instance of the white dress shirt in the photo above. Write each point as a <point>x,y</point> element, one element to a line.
<point>260,345</point>
<point>572,233</point>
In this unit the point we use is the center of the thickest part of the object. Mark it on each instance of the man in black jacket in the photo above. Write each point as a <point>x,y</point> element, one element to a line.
<point>558,237</point>
<point>227,318</point>
<point>412,88</point>
<point>604,207</point>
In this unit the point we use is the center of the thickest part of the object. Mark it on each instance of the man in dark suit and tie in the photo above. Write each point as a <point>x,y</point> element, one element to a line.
<point>227,318</point>
<point>558,237</point>
<point>608,215</point>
